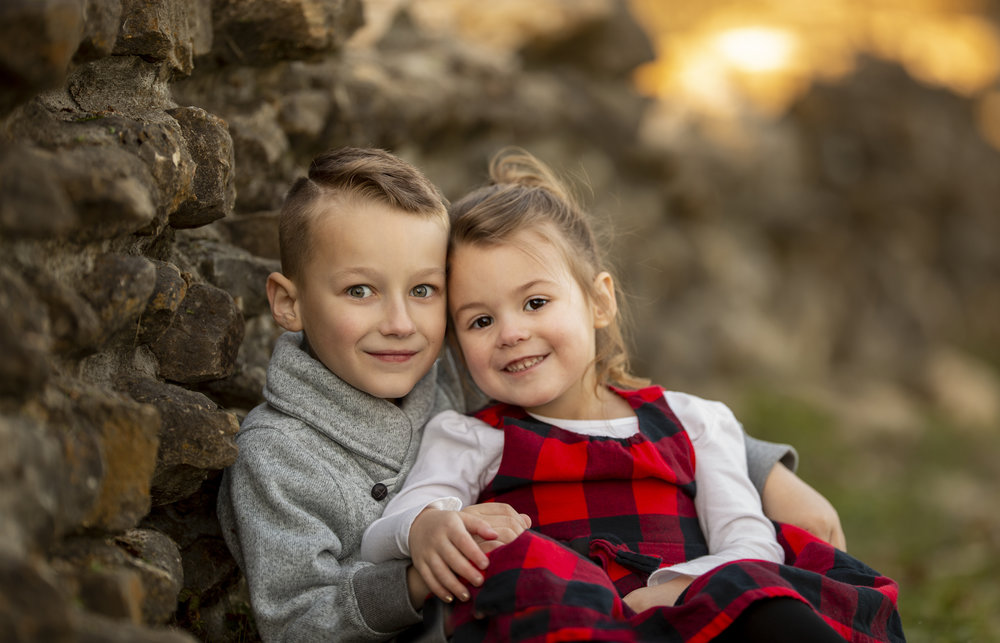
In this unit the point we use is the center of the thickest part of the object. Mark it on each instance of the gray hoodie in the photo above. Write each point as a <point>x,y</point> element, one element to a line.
<point>306,485</point>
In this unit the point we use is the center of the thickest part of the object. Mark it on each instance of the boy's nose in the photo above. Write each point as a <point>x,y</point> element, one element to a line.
<point>397,321</point>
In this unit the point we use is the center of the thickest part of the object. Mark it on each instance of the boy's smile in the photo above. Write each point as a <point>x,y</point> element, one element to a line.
<point>372,297</point>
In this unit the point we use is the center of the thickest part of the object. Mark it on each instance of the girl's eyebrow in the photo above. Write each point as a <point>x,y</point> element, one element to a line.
<point>531,285</point>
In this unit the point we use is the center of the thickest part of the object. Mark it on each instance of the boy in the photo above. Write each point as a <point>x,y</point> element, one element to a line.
<point>363,243</point>
<point>349,387</point>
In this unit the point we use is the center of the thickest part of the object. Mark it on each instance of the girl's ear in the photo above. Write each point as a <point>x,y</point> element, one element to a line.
<point>284,299</point>
<point>605,305</point>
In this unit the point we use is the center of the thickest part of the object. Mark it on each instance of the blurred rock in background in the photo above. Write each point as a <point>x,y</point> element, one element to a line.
<point>845,247</point>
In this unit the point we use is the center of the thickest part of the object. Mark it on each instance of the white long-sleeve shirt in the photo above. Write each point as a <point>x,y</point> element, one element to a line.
<point>460,455</point>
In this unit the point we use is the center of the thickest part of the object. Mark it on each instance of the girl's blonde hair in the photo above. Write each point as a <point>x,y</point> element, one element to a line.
<point>524,194</point>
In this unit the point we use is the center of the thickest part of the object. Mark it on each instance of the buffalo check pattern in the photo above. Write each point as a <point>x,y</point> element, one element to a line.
<point>606,512</point>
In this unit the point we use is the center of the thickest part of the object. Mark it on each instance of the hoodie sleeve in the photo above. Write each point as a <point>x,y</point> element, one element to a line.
<point>283,518</point>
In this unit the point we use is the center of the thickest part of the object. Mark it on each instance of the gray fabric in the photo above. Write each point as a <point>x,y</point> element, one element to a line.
<point>762,456</point>
<point>295,504</point>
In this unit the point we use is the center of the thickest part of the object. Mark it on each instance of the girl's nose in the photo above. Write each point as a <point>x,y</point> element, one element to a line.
<point>512,333</point>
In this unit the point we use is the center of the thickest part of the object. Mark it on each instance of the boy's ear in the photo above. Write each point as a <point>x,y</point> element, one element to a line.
<point>284,298</point>
<point>605,305</point>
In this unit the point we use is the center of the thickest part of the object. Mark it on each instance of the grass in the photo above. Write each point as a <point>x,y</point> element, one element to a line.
<point>919,505</point>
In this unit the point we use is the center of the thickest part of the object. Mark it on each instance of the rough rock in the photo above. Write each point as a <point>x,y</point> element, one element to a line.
<point>207,139</point>
<point>37,41</point>
<point>31,480</point>
<point>31,606</point>
<point>196,437</point>
<point>32,201</point>
<point>119,288</point>
<point>127,85</point>
<point>202,342</point>
<point>255,232</point>
<point>128,437</point>
<point>168,293</point>
<point>235,271</point>
<point>100,30</point>
<point>161,31</point>
<point>158,560</point>
<point>24,339</point>
<point>258,32</point>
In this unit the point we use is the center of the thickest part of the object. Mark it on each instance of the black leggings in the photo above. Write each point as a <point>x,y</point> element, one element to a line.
<point>779,620</point>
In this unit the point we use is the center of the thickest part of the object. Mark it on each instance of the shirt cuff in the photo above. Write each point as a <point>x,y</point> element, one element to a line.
<point>449,503</point>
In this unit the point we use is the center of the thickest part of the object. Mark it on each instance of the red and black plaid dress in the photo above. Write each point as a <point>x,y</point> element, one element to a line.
<point>606,512</point>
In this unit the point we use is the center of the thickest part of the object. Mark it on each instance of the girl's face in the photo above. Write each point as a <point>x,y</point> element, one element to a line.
<point>526,328</point>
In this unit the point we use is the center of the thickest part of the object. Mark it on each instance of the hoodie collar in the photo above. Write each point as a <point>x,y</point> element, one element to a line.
<point>375,428</point>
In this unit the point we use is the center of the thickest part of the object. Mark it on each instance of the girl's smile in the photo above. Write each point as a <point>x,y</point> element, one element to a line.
<point>525,326</point>
<point>521,365</point>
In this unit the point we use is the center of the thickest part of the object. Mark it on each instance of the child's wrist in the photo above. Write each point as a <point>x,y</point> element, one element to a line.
<point>416,587</point>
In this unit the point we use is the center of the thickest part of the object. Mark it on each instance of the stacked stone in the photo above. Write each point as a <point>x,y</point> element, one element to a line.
<point>122,328</point>
<point>146,146</point>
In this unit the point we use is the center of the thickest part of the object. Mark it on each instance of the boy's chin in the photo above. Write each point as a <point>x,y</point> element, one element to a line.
<point>394,389</point>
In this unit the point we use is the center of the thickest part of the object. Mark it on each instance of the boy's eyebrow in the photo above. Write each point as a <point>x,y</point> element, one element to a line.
<point>526,287</point>
<point>431,272</point>
<point>372,273</point>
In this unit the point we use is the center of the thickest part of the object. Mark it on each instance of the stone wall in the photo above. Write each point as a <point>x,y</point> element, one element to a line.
<point>145,148</point>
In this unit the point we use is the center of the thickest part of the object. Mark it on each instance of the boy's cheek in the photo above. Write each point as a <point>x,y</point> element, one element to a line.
<point>437,323</point>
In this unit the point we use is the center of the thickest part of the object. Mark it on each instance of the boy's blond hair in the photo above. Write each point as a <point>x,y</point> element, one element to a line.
<point>344,176</point>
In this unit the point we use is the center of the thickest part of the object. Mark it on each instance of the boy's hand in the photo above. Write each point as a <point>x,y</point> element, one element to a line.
<point>507,523</point>
<point>417,587</point>
<point>788,498</point>
<point>442,545</point>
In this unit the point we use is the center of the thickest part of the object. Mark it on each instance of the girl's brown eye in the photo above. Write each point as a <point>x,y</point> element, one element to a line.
<point>535,303</point>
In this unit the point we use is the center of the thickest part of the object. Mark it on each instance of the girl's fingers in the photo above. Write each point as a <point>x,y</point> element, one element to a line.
<point>460,565</point>
<point>500,516</point>
<point>433,584</point>
<point>443,574</point>
<point>466,541</point>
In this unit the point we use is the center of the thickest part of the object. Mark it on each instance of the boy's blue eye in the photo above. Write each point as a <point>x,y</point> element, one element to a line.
<point>359,292</point>
<point>423,291</point>
<point>535,303</point>
<point>482,321</point>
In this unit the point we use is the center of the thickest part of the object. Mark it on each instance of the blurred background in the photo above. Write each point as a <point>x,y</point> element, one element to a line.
<point>801,200</point>
<point>810,235</point>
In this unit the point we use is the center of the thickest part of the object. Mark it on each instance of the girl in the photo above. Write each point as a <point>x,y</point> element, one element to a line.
<point>645,525</point>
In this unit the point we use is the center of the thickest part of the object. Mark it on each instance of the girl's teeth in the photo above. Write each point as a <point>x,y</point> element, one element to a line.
<point>523,365</point>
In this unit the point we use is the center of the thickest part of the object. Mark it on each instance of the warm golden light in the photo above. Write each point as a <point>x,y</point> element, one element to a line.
<point>756,49</point>
<point>721,58</point>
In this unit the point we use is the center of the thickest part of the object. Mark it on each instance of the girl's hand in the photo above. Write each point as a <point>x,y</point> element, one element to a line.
<point>662,595</point>
<point>442,545</point>
<point>507,523</point>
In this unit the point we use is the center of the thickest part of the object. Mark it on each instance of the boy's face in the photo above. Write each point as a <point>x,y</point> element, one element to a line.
<point>371,298</point>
